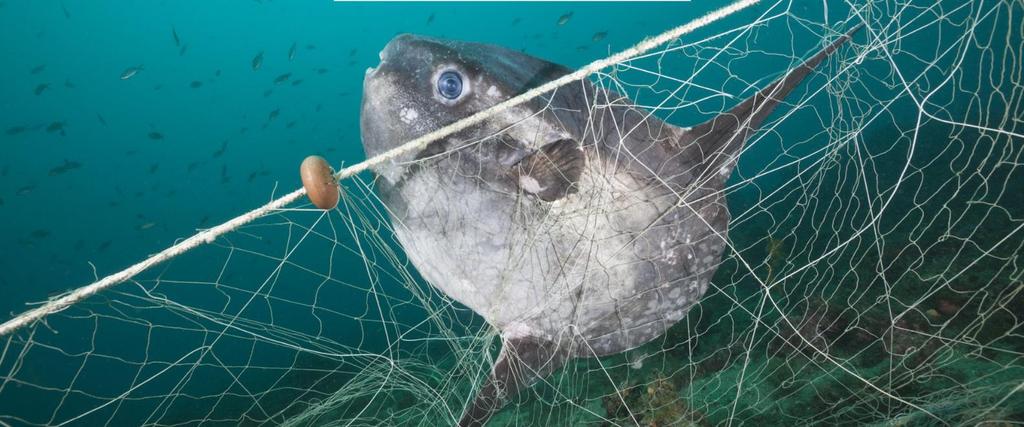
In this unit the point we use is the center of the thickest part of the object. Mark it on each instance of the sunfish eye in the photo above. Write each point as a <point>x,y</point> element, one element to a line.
<point>449,84</point>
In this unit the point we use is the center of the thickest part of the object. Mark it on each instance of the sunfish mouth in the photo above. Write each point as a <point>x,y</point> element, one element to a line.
<point>382,56</point>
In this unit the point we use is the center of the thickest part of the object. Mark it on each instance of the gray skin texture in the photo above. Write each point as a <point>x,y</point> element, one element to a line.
<point>599,249</point>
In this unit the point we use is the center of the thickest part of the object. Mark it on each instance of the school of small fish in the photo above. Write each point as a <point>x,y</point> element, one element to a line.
<point>284,61</point>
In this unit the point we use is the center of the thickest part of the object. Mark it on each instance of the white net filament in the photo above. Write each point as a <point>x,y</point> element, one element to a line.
<point>872,274</point>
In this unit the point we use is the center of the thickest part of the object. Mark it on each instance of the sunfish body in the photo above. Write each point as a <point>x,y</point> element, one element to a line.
<point>576,224</point>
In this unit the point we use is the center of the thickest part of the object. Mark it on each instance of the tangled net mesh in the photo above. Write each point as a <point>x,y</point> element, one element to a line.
<point>872,272</point>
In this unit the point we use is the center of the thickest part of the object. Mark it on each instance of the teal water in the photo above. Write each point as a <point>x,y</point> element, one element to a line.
<point>198,136</point>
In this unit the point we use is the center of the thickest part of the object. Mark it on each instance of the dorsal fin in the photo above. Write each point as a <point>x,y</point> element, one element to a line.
<point>522,362</point>
<point>720,139</point>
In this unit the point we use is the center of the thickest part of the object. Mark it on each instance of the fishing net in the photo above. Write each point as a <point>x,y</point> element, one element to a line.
<point>871,275</point>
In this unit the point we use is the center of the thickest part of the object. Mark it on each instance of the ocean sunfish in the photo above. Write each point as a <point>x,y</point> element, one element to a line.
<point>576,224</point>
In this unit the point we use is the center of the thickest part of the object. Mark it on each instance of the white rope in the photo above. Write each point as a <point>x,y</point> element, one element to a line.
<point>209,235</point>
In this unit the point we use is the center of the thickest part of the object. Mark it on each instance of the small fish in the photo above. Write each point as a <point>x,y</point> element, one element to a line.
<point>130,72</point>
<point>352,52</point>
<point>516,21</point>
<point>262,172</point>
<point>273,114</point>
<point>193,166</point>
<point>296,82</point>
<point>174,33</point>
<point>430,19</point>
<point>67,15</point>
<point>42,87</point>
<point>101,119</point>
<point>257,61</point>
<point>1,201</point>
<point>267,93</point>
<point>68,165</point>
<point>103,246</point>
<point>321,71</point>
<point>56,127</point>
<point>40,233</point>
<point>153,168</point>
<point>37,69</point>
<point>15,130</point>
<point>564,19</point>
<point>203,221</point>
<point>217,73</point>
<point>184,48</point>
<point>220,151</point>
<point>196,84</point>
<point>290,125</point>
<point>156,136</point>
<point>291,51</point>
<point>282,78</point>
<point>310,46</point>
<point>319,107</point>
<point>598,36</point>
<point>68,84</point>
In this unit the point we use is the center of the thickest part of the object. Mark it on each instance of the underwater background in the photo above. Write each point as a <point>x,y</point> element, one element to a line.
<point>128,125</point>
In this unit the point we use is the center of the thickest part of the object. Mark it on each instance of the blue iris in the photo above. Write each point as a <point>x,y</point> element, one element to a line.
<point>449,84</point>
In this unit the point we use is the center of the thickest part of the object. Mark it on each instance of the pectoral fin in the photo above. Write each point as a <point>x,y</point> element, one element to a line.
<point>552,172</point>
